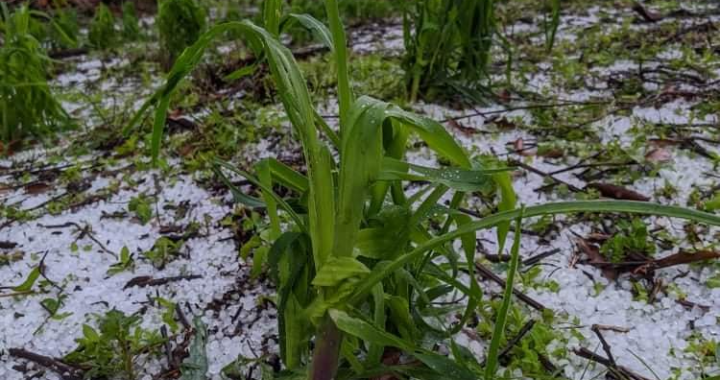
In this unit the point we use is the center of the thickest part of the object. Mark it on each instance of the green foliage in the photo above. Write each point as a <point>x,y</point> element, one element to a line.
<point>66,30</point>
<point>112,350</point>
<point>163,251</point>
<point>141,206</point>
<point>356,10</point>
<point>131,24</point>
<point>180,23</point>
<point>124,263</point>
<point>27,105</point>
<point>447,41</point>
<point>631,237</point>
<point>102,34</point>
<point>551,24</point>
<point>355,265</point>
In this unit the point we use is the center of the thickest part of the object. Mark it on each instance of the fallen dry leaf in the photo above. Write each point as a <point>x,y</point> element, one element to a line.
<point>37,188</point>
<point>595,258</point>
<point>617,192</point>
<point>646,14</point>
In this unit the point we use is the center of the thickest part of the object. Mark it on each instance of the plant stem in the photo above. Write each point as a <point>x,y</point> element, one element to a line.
<point>327,351</point>
<point>345,96</point>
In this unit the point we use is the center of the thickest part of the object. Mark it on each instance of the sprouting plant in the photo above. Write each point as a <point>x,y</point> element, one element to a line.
<point>131,25</point>
<point>111,350</point>
<point>141,206</point>
<point>447,40</point>
<point>27,105</point>
<point>163,251</point>
<point>360,258</point>
<point>180,23</point>
<point>102,33</point>
<point>124,263</point>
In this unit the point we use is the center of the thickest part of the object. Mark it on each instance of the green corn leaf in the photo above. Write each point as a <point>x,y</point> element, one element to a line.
<point>508,200</point>
<point>375,351</point>
<point>372,334</point>
<point>500,320</point>
<point>361,159</point>
<point>633,207</point>
<point>279,248</point>
<point>267,190</point>
<point>265,176</point>
<point>388,237</point>
<point>286,176</point>
<point>454,178</point>
<point>366,331</point>
<point>445,366</point>
<point>317,28</point>
<point>437,138</point>
<point>240,73</point>
<point>338,269</point>
<point>294,337</point>
<point>272,13</point>
<point>401,318</point>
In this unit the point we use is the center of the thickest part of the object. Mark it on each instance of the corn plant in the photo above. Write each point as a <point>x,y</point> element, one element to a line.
<point>359,263</point>
<point>551,24</point>
<point>65,28</point>
<point>27,105</point>
<point>180,23</point>
<point>102,33</point>
<point>447,40</point>
<point>131,25</point>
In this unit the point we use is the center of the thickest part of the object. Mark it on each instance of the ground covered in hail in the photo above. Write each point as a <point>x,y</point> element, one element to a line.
<point>97,246</point>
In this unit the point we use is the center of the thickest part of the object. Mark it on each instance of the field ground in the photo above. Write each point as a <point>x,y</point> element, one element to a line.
<point>625,106</point>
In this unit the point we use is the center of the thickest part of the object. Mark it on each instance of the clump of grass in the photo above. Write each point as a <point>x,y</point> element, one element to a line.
<point>180,23</point>
<point>27,105</point>
<point>360,260</point>
<point>102,33</point>
<point>447,41</point>
<point>131,24</point>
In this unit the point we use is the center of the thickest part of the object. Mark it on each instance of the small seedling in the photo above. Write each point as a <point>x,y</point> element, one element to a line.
<point>126,262</point>
<point>141,206</point>
<point>111,350</point>
<point>163,251</point>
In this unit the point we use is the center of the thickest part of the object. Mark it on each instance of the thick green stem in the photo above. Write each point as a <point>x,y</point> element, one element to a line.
<point>345,96</point>
<point>327,351</point>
